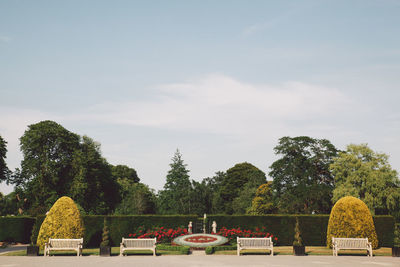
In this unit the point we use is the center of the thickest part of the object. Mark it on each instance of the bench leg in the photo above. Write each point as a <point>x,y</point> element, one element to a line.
<point>272,251</point>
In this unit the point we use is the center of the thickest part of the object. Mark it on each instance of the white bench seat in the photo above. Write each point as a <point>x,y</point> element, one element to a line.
<point>138,244</point>
<point>351,243</point>
<point>254,243</point>
<point>63,244</point>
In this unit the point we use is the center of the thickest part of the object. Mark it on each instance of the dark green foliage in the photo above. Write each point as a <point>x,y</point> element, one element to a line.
<point>47,150</point>
<point>123,172</point>
<point>139,199</point>
<point>313,227</point>
<point>93,186</point>
<point>58,163</point>
<point>4,171</point>
<point>122,226</point>
<point>384,227</point>
<point>183,249</point>
<point>175,198</point>
<point>281,226</point>
<point>396,240</point>
<point>239,187</point>
<point>301,178</point>
<point>16,228</point>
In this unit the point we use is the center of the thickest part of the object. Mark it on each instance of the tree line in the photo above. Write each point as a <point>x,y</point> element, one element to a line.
<point>309,177</point>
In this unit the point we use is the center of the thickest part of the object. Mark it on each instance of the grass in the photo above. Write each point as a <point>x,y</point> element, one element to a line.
<point>95,251</point>
<point>281,250</point>
<point>288,250</point>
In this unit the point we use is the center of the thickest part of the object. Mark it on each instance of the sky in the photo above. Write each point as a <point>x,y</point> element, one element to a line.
<point>221,81</point>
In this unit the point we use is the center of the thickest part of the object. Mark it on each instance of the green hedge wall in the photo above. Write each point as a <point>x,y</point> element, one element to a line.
<point>313,227</point>
<point>122,226</point>
<point>16,228</point>
<point>384,227</point>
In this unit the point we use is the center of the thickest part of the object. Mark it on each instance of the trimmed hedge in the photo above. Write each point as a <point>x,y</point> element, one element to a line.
<point>184,250</point>
<point>384,227</point>
<point>16,228</point>
<point>212,249</point>
<point>122,226</point>
<point>313,227</point>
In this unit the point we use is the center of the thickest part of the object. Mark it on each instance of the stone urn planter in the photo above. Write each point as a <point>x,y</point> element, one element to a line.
<point>299,250</point>
<point>105,251</point>
<point>32,250</point>
<point>395,251</point>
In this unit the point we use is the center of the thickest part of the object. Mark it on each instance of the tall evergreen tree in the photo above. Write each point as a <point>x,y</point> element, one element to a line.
<point>175,198</point>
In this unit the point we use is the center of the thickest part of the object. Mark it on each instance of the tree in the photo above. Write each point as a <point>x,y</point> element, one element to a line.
<point>125,177</point>
<point>93,186</point>
<point>4,171</point>
<point>175,198</point>
<point>302,182</point>
<point>47,150</point>
<point>240,183</point>
<point>139,199</point>
<point>263,202</point>
<point>57,162</point>
<point>367,175</point>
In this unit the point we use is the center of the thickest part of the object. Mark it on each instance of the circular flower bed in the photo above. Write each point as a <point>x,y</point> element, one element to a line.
<point>200,240</point>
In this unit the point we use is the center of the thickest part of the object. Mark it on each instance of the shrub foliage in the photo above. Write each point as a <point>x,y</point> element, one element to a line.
<point>350,217</point>
<point>62,221</point>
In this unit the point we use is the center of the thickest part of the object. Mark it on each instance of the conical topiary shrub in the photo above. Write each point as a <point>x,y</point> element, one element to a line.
<point>62,221</point>
<point>351,218</point>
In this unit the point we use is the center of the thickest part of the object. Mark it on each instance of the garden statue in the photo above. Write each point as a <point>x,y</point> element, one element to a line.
<point>190,227</point>
<point>214,227</point>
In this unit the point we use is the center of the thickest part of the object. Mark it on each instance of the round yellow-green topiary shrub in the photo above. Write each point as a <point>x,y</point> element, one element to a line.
<point>351,218</point>
<point>62,221</point>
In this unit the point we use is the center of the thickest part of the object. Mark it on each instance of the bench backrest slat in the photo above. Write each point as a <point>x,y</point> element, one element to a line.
<point>65,243</point>
<point>255,242</point>
<point>138,243</point>
<point>351,242</point>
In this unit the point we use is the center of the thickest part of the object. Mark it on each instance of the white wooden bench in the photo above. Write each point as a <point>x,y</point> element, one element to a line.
<point>63,244</point>
<point>351,243</point>
<point>254,243</point>
<point>138,244</point>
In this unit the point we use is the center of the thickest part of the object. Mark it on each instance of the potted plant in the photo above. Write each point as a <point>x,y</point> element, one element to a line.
<point>105,249</point>
<point>298,247</point>
<point>396,241</point>
<point>33,249</point>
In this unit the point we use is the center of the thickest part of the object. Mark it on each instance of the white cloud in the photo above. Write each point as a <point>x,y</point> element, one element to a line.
<point>221,104</point>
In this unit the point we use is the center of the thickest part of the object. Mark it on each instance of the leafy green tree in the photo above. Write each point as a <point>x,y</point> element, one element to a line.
<point>139,199</point>
<point>47,150</point>
<point>59,163</point>
<point>4,171</point>
<point>93,186</point>
<point>125,177</point>
<point>367,175</point>
<point>175,198</point>
<point>302,180</point>
<point>263,202</point>
<point>239,186</point>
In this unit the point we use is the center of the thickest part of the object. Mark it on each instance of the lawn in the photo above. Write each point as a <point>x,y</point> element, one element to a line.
<point>281,250</point>
<point>288,250</point>
<point>95,251</point>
